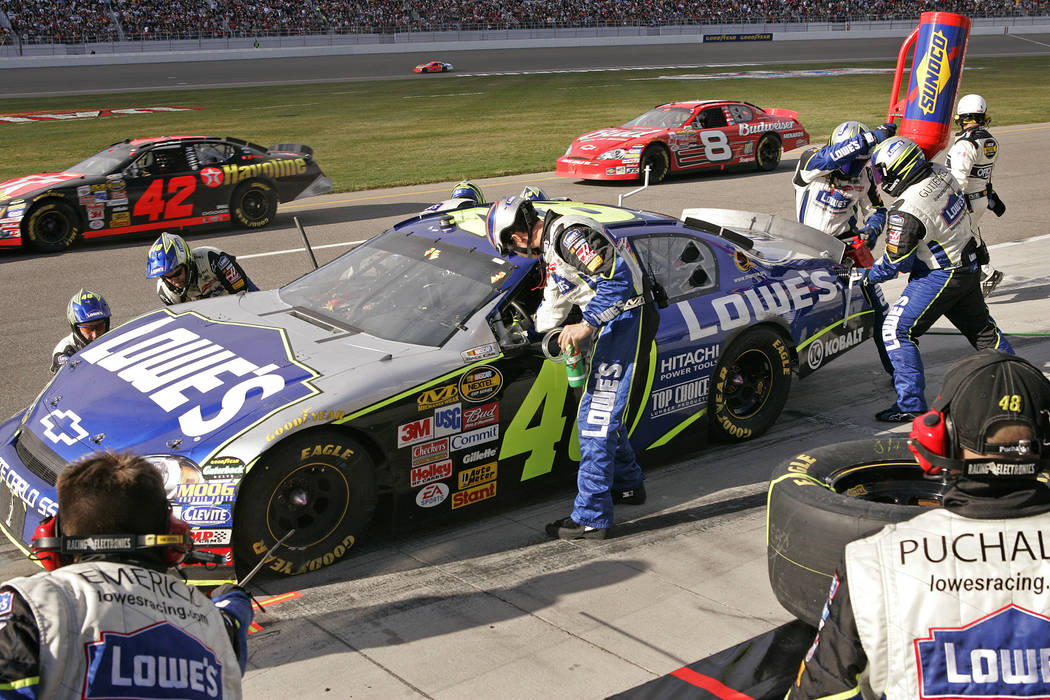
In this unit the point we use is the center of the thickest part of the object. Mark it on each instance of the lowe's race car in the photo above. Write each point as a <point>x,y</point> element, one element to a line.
<point>405,371</point>
<point>157,184</point>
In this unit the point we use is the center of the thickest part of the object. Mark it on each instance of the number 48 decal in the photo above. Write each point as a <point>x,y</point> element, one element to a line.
<point>525,435</point>
<point>153,204</point>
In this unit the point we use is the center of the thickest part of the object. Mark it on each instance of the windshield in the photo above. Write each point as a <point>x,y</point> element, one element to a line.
<point>662,117</point>
<point>400,286</point>
<point>103,162</point>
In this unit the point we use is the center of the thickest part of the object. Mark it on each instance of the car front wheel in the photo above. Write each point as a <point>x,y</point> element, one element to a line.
<point>322,485</point>
<point>658,159</point>
<point>51,227</point>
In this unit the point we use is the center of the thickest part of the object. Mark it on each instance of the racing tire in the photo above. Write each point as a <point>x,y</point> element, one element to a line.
<point>768,153</point>
<point>750,385</point>
<point>823,499</point>
<point>253,205</point>
<point>51,226</point>
<point>658,158</point>
<point>322,484</point>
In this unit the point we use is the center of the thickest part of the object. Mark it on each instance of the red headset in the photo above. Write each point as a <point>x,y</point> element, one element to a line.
<point>932,441</point>
<point>53,549</point>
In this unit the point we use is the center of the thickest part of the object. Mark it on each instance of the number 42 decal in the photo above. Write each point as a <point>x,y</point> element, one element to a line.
<point>153,204</point>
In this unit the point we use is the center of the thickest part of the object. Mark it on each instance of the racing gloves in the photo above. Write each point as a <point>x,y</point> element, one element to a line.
<point>874,226</point>
<point>880,134</point>
<point>994,203</point>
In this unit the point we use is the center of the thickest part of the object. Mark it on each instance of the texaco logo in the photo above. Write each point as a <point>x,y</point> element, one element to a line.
<point>211,177</point>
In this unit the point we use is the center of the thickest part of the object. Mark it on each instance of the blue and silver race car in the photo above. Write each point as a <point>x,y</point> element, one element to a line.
<point>405,372</point>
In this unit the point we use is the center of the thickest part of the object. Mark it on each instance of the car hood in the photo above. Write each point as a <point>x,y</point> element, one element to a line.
<point>594,143</point>
<point>191,377</point>
<point>33,184</point>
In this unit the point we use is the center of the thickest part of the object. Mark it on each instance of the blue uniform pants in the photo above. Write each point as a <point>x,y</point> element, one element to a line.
<point>955,294</point>
<point>618,371</point>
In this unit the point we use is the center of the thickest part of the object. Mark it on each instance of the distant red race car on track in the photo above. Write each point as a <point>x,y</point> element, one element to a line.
<point>682,136</point>
<point>157,184</point>
<point>433,67</point>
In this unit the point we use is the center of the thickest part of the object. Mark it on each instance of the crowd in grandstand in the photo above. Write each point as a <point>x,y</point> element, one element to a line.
<point>51,21</point>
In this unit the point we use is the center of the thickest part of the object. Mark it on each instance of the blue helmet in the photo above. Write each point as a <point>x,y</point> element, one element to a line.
<point>468,190</point>
<point>534,194</point>
<point>86,307</point>
<point>165,255</point>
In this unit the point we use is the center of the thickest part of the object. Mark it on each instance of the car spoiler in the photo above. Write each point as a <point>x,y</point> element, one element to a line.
<point>771,238</point>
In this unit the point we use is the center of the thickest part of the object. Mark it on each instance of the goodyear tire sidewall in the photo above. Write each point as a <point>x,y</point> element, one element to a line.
<point>237,210</point>
<point>57,205</point>
<point>261,510</point>
<point>808,525</point>
<point>724,424</point>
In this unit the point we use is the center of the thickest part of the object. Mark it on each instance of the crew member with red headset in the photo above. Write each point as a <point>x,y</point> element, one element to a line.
<point>953,603</point>
<point>116,624</point>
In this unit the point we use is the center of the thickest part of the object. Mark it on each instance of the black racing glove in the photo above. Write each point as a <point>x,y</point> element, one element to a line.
<point>994,203</point>
<point>982,254</point>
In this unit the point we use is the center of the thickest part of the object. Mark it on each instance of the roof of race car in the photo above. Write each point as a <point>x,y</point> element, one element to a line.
<point>694,103</point>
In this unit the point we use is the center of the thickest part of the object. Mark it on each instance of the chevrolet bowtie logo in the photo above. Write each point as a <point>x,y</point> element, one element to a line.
<point>63,426</point>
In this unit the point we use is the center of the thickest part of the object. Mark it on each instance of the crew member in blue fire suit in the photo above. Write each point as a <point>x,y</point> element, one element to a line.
<point>835,193</point>
<point>588,269</point>
<point>929,237</point>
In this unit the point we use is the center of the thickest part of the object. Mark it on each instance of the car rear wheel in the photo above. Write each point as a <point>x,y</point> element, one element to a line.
<point>750,385</point>
<point>254,204</point>
<point>322,485</point>
<point>768,153</point>
<point>51,227</point>
<point>658,159</point>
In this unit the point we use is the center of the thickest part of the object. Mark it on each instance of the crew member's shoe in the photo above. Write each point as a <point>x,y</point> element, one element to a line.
<point>569,529</point>
<point>990,282</point>
<point>895,415</point>
<point>630,497</point>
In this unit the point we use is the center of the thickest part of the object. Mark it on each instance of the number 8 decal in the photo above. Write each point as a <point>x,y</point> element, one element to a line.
<point>716,146</point>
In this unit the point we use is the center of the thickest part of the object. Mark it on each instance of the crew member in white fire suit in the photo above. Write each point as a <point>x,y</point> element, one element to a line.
<point>106,620</point>
<point>955,602</point>
<point>971,160</point>
<point>89,317</point>
<point>928,236</point>
<point>587,268</point>
<point>188,275</point>
<point>835,193</point>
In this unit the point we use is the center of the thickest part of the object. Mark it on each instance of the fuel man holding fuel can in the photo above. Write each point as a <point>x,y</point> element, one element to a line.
<point>586,267</point>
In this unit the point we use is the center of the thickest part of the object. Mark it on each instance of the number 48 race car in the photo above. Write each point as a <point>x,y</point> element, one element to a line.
<point>157,184</point>
<point>404,370</point>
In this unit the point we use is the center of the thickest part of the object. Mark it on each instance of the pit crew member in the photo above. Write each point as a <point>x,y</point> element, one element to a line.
<point>465,194</point>
<point>114,623</point>
<point>928,236</point>
<point>89,317</point>
<point>186,275</point>
<point>952,603</point>
<point>834,193</point>
<point>585,267</point>
<point>971,159</point>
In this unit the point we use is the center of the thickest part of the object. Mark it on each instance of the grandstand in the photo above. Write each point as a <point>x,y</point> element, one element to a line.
<point>99,21</point>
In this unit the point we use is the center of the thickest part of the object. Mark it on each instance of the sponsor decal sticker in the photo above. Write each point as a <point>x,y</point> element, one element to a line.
<point>431,472</point>
<point>834,344</point>
<point>680,397</point>
<point>475,437</point>
<point>472,496</point>
<point>933,72</point>
<point>474,476</point>
<point>477,416</point>
<point>432,495</point>
<point>429,452</point>
<point>686,363</point>
<point>223,468</point>
<point>6,603</point>
<point>64,427</point>
<point>211,538</point>
<point>479,455</point>
<point>480,384</point>
<point>742,262</point>
<point>205,493</point>
<point>212,177</point>
<point>441,396</point>
<point>415,431</point>
<point>482,352</point>
<point>213,516</point>
<point>447,420</point>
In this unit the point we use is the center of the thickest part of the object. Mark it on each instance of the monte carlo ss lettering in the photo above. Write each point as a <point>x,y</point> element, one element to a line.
<point>157,184</point>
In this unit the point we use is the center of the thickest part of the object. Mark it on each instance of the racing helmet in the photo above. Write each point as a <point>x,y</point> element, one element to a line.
<point>896,163</point>
<point>165,256</point>
<point>506,216</point>
<point>844,132</point>
<point>972,108</point>
<point>534,194</point>
<point>468,190</point>
<point>87,307</point>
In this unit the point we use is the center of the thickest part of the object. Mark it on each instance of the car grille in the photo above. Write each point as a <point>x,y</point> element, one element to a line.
<point>38,457</point>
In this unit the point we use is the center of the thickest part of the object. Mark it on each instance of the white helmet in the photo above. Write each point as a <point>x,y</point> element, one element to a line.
<point>971,108</point>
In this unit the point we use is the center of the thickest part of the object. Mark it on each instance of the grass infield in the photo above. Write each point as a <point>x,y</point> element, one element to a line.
<point>403,132</point>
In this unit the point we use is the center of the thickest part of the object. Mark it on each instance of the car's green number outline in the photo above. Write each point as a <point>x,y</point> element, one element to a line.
<point>546,398</point>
